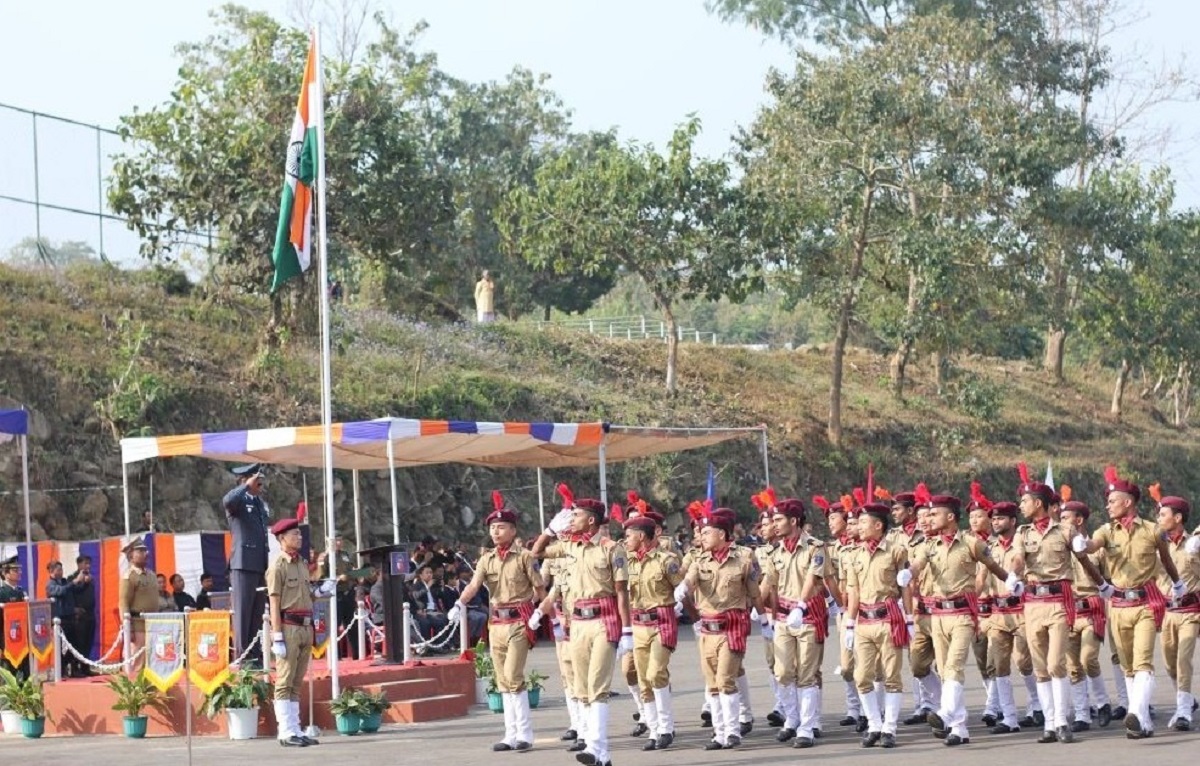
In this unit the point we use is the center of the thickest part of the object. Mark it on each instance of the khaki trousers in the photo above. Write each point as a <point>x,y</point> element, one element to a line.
<point>1133,632</point>
<point>592,660</point>
<point>1007,645</point>
<point>873,648</point>
<point>290,669</point>
<point>651,661</point>
<point>920,647</point>
<point>510,649</point>
<point>953,635</point>
<point>797,655</point>
<point>1083,651</point>
<point>1046,631</point>
<point>1179,631</point>
<point>562,650</point>
<point>845,656</point>
<point>720,664</point>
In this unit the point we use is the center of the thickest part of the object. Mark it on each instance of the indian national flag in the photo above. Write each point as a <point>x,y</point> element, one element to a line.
<point>293,237</point>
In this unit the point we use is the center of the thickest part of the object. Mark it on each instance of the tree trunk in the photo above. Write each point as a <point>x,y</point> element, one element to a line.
<point>1179,392</point>
<point>672,349</point>
<point>546,313</point>
<point>939,370</point>
<point>1056,338</point>
<point>833,429</point>
<point>900,358</point>
<point>1119,388</point>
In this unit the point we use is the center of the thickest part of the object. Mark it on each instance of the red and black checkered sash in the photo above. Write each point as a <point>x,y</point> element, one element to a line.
<point>816,615</point>
<point>668,626</point>
<point>1154,599</point>
<point>736,626</point>
<point>524,610</point>
<point>608,615</point>
<point>897,627</point>
<point>1093,610</point>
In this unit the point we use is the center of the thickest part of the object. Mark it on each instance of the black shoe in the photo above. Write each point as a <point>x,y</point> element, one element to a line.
<point>501,747</point>
<point>1026,722</point>
<point>706,720</point>
<point>916,718</point>
<point>817,734</point>
<point>569,735</point>
<point>734,741</point>
<point>1118,713</point>
<point>577,747</point>
<point>861,725</point>
<point>988,719</point>
<point>848,721</point>
<point>1080,726</point>
<point>309,741</point>
<point>936,723</point>
<point>639,730</point>
<point>1153,713</point>
<point>651,744</point>
<point>888,741</point>
<point>746,727</point>
<point>1182,724</point>
<point>1138,734</point>
<point>803,743</point>
<point>637,716</point>
<point>664,741</point>
<point>871,738</point>
<point>1039,718</point>
<point>1003,728</point>
<point>1132,723</point>
<point>293,742</point>
<point>1065,735</point>
<point>586,758</point>
<point>785,734</point>
<point>954,740</point>
<point>1104,715</point>
<point>1047,737</point>
<point>522,746</point>
<point>775,719</point>
<point>712,744</point>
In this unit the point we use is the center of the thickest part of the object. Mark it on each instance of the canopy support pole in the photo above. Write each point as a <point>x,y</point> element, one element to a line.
<point>125,492</point>
<point>391,456</point>
<point>152,529</point>
<point>357,519</point>
<point>29,573</point>
<point>603,478</point>
<point>541,502</point>
<point>766,459</point>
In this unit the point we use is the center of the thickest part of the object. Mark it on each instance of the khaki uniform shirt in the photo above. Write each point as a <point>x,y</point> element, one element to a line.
<point>786,572</point>
<point>952,566</point>
<point>873,575</point>
<point>1048,556</point>
<point>1186,564</point>
<point>900,536</point>
<point>594,567</point>
<point>509,579</point>
<point>1005,558</point>
<point>725,585</point>
<point>652,578</point>
<point>138,592</point>
<point>1133,555</point>
<point>287,578</point>
<point>1084,585</point>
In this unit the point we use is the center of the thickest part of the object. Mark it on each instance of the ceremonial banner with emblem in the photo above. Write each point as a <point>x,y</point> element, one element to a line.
<point>16,632</point>
<point>164,649</point>
<point>208,638</point>
<point>41,630</point>
<point>320,609</point>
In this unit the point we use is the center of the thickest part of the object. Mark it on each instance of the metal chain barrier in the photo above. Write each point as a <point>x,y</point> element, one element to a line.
<point>436,642</point>
<point>100,665</point>
<point>238,662</point>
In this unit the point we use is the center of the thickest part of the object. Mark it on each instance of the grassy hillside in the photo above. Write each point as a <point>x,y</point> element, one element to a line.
<point>71,352</point>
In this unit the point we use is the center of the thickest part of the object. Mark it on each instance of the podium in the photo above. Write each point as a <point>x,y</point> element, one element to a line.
<point>394,565</point>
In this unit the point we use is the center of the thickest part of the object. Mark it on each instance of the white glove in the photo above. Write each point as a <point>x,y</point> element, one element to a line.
<point>754,613</point>
<point>324,588</point>
<point>557,627</point>
<point>766,630</point>
<point>1178,590</point>
<point>561,522</point>
<point>912,629</point>
<point>678,608</point>
<point>1107,590</point>
<point>534,620</point>
<point>696,630</point>
<point>904,577</point>
<point>834,608</point>
<point>1079,544</point>
<point>1012,582</point>
<point>1017,591</point>
<point>456,612</point>
<point>848,638</point>
<point>681,591</point>
<point>278,648</point>
<point>795,618</point>
<point>1192,546</point>
<point>625,645</point>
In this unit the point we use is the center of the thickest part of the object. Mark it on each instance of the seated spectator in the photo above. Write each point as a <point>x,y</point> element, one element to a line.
<point>165,602</point>
<point>427,607</point>
<point>206,586</point>
<point>183,599</point>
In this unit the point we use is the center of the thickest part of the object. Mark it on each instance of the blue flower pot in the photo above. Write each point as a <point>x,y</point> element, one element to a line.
<point>135,726</point>
<point>535,696</point>
<point>33,727</point>
<point>495,702</point>
<point>348,725</point>
<point>371,723</point>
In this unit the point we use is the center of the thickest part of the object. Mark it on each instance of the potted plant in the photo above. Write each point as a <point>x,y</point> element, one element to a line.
<point>483,672</point>
<point>133,696</point>
<point>349,708</point>
<point>376,706</point>
<point>240,697</point>
<point>495,700</point>
<point>534,685</point>
<point>25,698</point>
<point>11,721</point>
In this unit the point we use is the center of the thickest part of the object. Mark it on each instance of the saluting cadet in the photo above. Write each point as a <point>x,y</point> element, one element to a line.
<point>1087,634</point>
<point>876,628</point>
<point>137,595</point>
<point>1133,549</point>
<point>600,627</point>
<point>510,574</point>
<point>290,597</point>
<point>1182,620</point>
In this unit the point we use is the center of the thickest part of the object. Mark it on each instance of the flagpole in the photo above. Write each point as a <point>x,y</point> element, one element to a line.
<point>326,378</point>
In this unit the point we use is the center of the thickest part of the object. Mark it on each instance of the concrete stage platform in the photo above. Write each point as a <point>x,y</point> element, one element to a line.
<point>425,690</point>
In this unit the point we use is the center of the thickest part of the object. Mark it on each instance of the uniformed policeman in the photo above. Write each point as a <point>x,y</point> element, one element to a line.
<point>509,572</point>
<point>876,628</point>
<point>137,595</point>
<point>1087,634</point>
<point>724,580</point>
<point>290,596</point>
<point>951,559</point>
<point>1133,549</point>
<point>248,521</point>
<point>793,586</point>
<point>600,624</point>
<point>653,575</point>
<point>1182,620</point>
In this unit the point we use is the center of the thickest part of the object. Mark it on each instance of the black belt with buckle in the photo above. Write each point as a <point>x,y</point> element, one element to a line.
<point>505,613</point>
<point>1082,605</point>
<point>872,613</point>
<point>1006,602</point>
<point>1188,599</point>
<point>713,626</point>
<point>299,620</point>
<point>645,618</point>
<point>985,608</point>
<point>951,603</point>
<point>586,612</point>
<point>1047,589</point>
<point>1131,594</point>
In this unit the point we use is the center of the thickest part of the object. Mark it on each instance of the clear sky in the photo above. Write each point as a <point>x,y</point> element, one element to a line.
<point>639,65</point>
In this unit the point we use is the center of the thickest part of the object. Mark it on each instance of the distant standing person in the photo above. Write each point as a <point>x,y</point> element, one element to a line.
<point>485,298</point>
<point>247,513</point>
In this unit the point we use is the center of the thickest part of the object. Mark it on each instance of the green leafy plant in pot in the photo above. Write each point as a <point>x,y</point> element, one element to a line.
<point>495,699</point>
<point>24,697</point>
<point>240,698</point>
<point>483,671</point>
<point>349,709</point>
<point>534,684</point>
<point>376,706</point>
<point>133,696</point>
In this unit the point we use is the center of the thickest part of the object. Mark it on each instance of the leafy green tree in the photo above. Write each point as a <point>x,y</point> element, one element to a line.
<point>32,252</point>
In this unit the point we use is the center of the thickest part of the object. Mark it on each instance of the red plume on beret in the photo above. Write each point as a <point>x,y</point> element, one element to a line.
<point>757,502</point>
<point>497,500</point>
<point>821,502</point>
<point>698,509</point>
<point>979,499</point>
<point>636,503</point>
<point>860,497</point>
<point>1023,472</point>
<point>1155,490</point>
<point>617,513</point>
<point>768,496</point>
<point>568,496</point>
<point>1064,491</point>
<point>301,511</point>
<point>923,497</point>
<point>1110,474</point>
<point>881,493</point>
<point>848,502</point>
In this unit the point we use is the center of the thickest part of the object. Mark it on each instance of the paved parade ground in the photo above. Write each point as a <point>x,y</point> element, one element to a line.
<point>469,739</point>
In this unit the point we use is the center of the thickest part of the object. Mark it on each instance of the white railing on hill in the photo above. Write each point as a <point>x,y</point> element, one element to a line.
<point>631,328</point>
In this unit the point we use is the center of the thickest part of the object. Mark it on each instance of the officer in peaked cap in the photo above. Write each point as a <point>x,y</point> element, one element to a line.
<point>248,520</point>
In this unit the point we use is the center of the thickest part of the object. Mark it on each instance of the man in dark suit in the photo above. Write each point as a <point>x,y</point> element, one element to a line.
<point>83,631</point>
<point>248,516</point>
<point>206,586</point>
<point>425,597</point>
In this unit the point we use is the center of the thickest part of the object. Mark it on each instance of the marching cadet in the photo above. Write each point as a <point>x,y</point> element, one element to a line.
<point>1133,548</point>
<point>653,575</point>
<point>1087,634</point>
<point>510,574</point>
<point>793,583</point>
<point>909,530</point>
<point>137,596</point>
<point>695,510</point>
<point>600,627</point>
<point>1182,620</point>
<point>843,540</point>
<point>558,603</point>
<point>637,508</point>
<point>1005,626</point>
<point>876,628</point>
<point>951,559</point>
<point>979,524</point>
<point>290,598</point>
<point>724,578</point>
<point>761,501</point>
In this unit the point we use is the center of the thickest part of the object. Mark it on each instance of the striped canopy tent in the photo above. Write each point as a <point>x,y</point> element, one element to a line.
<point>15,424</point>
<point>390,443</point>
